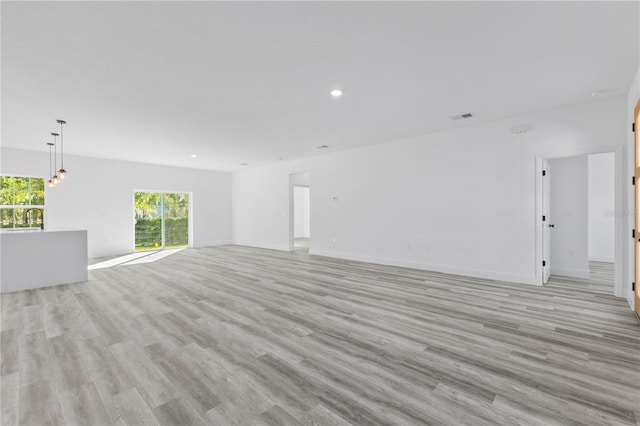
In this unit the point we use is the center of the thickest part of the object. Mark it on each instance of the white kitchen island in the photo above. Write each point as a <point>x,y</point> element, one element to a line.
<point>42,258</point>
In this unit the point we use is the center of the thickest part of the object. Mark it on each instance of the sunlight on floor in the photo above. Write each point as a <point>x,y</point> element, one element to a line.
<point>135,258</point>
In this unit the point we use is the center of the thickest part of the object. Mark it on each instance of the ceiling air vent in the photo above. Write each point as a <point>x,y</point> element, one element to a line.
<point>521,129</point>
<point>461,116</point>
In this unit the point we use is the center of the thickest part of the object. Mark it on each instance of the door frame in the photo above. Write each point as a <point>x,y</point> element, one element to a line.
<point>546,222</point>
<point>619,288</point>
<point>636,218</point>
<point>157,191</point>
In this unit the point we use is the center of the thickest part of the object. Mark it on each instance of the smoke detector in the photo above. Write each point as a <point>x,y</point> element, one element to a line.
<point>322,147</point>
<point>521,129</point>
<point>461,116</point>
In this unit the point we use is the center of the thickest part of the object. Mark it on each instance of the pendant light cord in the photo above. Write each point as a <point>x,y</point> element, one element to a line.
<point>50,175</point>
<point>55,155</point>
<point>62,171</point>
<point>61,148</point>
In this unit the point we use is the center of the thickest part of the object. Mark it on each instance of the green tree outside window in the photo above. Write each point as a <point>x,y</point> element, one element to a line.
<point>19,196</point>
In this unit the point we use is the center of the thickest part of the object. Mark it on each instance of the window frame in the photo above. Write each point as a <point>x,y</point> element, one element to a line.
<point>14,207</point>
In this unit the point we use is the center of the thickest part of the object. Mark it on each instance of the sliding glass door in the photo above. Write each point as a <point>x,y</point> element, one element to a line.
<point>161,220</point>
<point>176,220</point>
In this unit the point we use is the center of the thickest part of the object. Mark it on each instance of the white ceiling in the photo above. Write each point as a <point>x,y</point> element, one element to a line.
<point>237,82</point>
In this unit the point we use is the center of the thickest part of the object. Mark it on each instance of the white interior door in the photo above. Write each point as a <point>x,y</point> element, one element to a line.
<point>546,221</point>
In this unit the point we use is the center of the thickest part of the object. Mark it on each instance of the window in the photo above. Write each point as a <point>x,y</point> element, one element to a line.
<point>21,202</point>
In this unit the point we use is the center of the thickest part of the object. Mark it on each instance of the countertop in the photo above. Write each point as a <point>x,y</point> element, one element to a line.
<point>9,231</point>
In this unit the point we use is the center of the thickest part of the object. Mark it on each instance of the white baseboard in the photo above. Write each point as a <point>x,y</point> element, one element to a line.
<point>572,273</point>
<point>280,247</point>
<point>111,254</point>
<point>467,272</point>
<point>596,258</point>
<point>212,244</point>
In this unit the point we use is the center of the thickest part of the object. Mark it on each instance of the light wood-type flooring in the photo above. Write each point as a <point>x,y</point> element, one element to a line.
<point>235,335</point>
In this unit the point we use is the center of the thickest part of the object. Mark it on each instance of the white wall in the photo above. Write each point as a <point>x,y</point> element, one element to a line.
<point>569,215</point>
<point>601,183</point>
<point>301,179</point>
<point>461,201</point>
<point>301,211</point>
<point>98,196</point>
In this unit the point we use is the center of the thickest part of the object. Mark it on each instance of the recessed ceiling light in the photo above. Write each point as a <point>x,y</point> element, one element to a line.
<point>244,164</point>
<point>322,147</point>
<point>194,156</point>
<point>336,93</point>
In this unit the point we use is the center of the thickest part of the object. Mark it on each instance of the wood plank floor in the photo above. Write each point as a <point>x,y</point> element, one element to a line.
<point>234,335</point>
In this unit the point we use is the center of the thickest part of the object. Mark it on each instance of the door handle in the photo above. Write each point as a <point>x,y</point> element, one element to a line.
<point>551,225</point>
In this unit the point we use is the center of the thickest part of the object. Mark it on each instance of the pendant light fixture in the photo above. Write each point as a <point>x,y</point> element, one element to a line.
<point>50,181</point>
<point>55,177</point>
<point>62,172</point>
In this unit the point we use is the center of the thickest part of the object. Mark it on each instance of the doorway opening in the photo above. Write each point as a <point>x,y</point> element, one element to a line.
<point>161,220</point>
<point>300,212</point>
<point>578,221</point>
<point>301,218</point>
<point>602,227</point>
